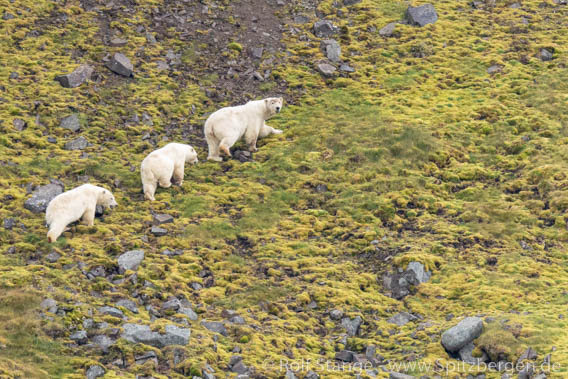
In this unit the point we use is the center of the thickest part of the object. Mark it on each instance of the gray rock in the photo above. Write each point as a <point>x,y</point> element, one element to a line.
<point>71,122</point>
<point>120,65</point>
<point>19,124</point>
<point>346,68</point>
<point>301,19</point>
<point>53,257</point>
<point>326,69</point>
<point>150,38</point>
<point>9,223</point>
<point>546,54</point>
<point>130,260</point>
<point>421,274</point>
<point>421,15</point>
<point>311,375</point>
<point>256,52</point>
<point>344,355</point>
<point>352,325</point>
<point>331,49</point>
<point>542,375</point>
<point>103,342</point>
<point>398,375</point>
<point>128,304</point>
<point>350,2</point>
<point>7,16</point>
<point>324,28</point>
<point>402,318</point>
<point>196,286</point>
<point>240,368</point>
<point>336,314</point>
<point>94,372</point>
<point>88,323</point>
<point>173,335</point>
<point>290,375</point>
<point>387,30</point>
<point>215,326</point>
<point>493,70</point>
<point>158,232</point>
<point>460,335</point>
<point>111,311</point>
<point>400,283</point>
<point>80,337</point>
<point>42,196</point>
<point>162,218</point>
<point>78,143</point>
<point>79,76</point>
<point>527,372</point>
<point>465,355</point>
<point>145,357</point>
<point>529,354</point>
<point>173,304</point>
<point>118,42</point>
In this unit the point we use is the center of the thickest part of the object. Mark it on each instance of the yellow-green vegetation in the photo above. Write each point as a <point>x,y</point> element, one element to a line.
<point>432,157</point>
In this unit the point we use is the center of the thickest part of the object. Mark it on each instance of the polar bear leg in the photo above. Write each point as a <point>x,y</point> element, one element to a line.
<point>178,174</point>
<point>149,190</point>
<point>88,217</point>
<point>228,141</point>
<point>167,171</point>
<point>266,130</point>
<point>55,230</point>
<point>213,149</point>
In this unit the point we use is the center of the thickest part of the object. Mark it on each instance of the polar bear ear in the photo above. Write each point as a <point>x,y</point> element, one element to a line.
<point>281,99</point>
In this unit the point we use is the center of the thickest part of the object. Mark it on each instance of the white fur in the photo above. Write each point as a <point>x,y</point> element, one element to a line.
<point>78,203</point>
<point>227,125</point>
<point>161,165</point>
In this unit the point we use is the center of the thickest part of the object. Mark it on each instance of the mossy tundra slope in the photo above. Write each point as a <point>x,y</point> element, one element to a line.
<point>447,146</point>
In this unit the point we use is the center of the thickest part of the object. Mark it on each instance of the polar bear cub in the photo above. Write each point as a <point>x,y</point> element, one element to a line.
<point>161,165</point>
<point>227,125</point>
<point>78,203</point>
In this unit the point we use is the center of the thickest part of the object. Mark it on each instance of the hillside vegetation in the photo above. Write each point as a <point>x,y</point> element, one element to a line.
<point>421,154</point>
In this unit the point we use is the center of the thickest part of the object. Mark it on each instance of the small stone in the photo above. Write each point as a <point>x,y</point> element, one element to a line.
<point>258,76</point>
<point>344,355</point>
<point>352,325</point>
<point>150,38</point>
<point>420,272</point>
<point>214,326</point>
<point>128,304</point>
<point>120,65</point>
<point>158,232</point>
<point>51,139</point>
<point>103,342</point>
<point>79,76</point>
<point>346,68</point>
<point>546,54</point>
<point>402,318</point>
<point>465,355</point>
<point>460,335</point>
<point>398,375</point>
<point>94,372</point>
<point>332,50</point>
<point>173,335</point>
<point>421,15</point>
<point>301,19</point>
<point>196,286</point>
<point>240,368</point>
<point>117,42</point>
<point>71,122</point>
<point>173,304</point>
<point>130,260</point>
<point>53,257</point>
<point>494,69</point>
<point>162,218</point>
<point>256,52</point>
<point>324,28</point>
<point>111,311</point>
<point>19,124</point>
<point>529,354</point>
<point>78,143</point>
<point>9,223</point>
<point>80,337</point>
<point>188,312</point>
<point>336,314</point>
<point>145,357</point>
<point>326,69</point>
<point>49,305</point>
<point>387,30</point>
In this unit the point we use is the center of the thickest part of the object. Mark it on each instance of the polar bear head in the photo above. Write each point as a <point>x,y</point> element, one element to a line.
<point>273,105</point>
<point>190,155</point>
<point>106,199</point>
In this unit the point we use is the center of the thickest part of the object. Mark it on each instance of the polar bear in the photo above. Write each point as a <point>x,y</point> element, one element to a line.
<point>227,125</point>
<point>78,203</point>
<point>160,166</point>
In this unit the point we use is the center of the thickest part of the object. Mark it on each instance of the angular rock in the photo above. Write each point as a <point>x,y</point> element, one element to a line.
<point>332,49</point>
<point>78,143</point>
<point>173,335</point>
<point>324,28</point>
<point>529,354</point>
<point>346,68</point>
<point>103,342</point>
<point>111,311</point>
<point>79,76</point>
<point>311,375</point>
<point>19,124</point>
<point>421,15</point>
<point>465,355</point>
<point>42,196</point>
<point>173,304</point>
<point>94,372</point>
<point>398,375</point>
<point>402,318</point>
<point>147,356</point>
<point>9,223</point>
<point>493,70</point>
<point>350,2</point>
<point>326,69</point>
<point>240,368</point>
<point>53,257</point>
<point>130,260</point>
<point>546,54</point>
<point>80,337</point>
<point>527,372</point>
<point>162,218</point>
<point>215,326</point>
<point>352,325</point>
<point>158,232</point>
<point>188,312</point>
<point>387,30</point>
<point>463,333</point>
<point>256,52</point>
<point>344,355</point>
<point>421,274</point>
<point>128,304</point>
<point>336,314</point>
<point>120,65</point>
<point>118,42</point>
<point>70,122</point>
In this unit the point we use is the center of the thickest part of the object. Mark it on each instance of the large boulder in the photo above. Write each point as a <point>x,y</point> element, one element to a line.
<point>173,335</point>
<point>130,260</point>
<point>42,196</point>
<point>79,76</point>
<point>463,333</point>
<point>422,15</point>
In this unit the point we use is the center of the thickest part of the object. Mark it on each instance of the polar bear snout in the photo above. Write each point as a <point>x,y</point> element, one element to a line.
<point>277,109</point>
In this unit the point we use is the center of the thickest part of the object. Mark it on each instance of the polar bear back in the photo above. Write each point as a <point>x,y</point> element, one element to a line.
<point>238,117</point>
<point>72,203</point>
<point>176,152</point>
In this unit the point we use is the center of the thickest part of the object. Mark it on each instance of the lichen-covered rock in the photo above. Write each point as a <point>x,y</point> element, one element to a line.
<point>463,333</point>
<point>71,122</point>
<point>352,325</point>
<point>421,15</point>
<point>120,65</point>
<point>74,79</point>
<point>173,335</point>
<point>324,28</point>
<point>79,143</point>
<point>332,49</point>
<point>215,326</point>
<point>94,371</point>
<point>42,196</point>
<point>130,260</point>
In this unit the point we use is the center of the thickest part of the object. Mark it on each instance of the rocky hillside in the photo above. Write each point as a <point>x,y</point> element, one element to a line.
<point>411,220</point>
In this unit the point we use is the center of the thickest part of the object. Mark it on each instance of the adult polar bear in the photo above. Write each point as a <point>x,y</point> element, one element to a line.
<point>78,203</point>
<point>227,125</point>
<point>163,165</point>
